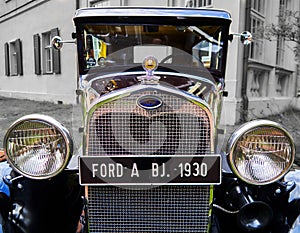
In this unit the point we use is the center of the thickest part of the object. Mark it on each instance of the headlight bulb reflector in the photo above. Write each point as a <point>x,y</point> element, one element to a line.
<point>38,146</point>
<point>261,152</point>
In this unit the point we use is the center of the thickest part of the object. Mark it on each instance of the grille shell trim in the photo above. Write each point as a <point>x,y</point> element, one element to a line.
<point>196,199</point>
<point>124,93</point>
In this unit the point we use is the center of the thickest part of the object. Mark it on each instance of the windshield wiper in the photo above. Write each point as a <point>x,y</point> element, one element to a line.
<point>201,33</point>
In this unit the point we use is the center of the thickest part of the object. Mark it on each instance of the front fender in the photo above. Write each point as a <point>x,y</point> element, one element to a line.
<point>294,202</point>
<point>52,205</point>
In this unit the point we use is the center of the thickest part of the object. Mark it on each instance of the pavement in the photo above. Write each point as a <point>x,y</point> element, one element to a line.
<point>12,109</point>
<point>70,115</point>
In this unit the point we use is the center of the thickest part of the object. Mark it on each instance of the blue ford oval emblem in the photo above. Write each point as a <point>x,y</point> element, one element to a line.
<point>149,102</point>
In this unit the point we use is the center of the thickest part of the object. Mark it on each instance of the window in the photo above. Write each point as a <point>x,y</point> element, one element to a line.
<point>47,53</point>
<point>124,3</point>
<point>204,3</point>
<point>13,58</point>
<point>173,3</point>
<point>101,3</point>
<point>280,50</point>
<point>257,28</point>
<point>256,47</point>
<point>46,59</point>
<point>258,6</point>
<point>198,3</point>
<point>284,6</point>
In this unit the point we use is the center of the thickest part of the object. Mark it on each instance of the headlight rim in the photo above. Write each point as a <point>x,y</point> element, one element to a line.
<point>246,128</point>
<point>46,120</point>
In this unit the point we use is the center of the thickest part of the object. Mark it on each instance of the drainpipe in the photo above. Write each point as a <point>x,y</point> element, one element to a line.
<point>244,115</point>
<point>77,6</point>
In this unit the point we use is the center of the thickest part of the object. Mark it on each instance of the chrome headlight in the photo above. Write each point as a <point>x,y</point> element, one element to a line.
<point>260,152</point>
<point>38,146</point>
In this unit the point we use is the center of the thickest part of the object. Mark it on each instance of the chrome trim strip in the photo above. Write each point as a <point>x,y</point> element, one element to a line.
<point>156,73</point>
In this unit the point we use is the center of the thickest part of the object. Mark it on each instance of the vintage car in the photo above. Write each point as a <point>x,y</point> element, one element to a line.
<point>151,84</point>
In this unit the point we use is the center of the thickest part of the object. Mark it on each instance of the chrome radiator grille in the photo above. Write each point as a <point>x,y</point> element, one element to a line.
<point>121,127</point>
<point>162,209</point>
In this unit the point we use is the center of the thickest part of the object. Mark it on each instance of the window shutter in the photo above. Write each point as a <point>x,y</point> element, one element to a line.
<point>19,56</point>
<point>37,54</point>
<point>55,53</point>
<point>6,54</point>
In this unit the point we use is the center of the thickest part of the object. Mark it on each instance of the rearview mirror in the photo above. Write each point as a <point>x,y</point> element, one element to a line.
<point>57,42</point>
<point>246,38</point>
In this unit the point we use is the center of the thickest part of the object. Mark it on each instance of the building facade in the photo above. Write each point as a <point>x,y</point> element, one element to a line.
<point>272,76</point>
<point>30,68</point>
<point>261,79</point>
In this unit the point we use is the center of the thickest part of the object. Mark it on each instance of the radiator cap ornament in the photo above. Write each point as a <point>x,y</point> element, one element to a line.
<point>150,64</point>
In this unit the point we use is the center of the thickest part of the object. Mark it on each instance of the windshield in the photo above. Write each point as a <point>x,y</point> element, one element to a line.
<point>193,47</point>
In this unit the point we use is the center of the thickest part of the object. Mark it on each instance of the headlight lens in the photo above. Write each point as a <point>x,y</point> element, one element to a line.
<point>38,146</point>
<point>261,152</point>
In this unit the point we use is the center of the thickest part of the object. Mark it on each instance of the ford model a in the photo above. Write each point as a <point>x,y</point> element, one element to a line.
<point>151,85</point>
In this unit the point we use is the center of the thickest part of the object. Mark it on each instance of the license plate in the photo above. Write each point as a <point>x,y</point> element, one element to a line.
<point>150,170</point>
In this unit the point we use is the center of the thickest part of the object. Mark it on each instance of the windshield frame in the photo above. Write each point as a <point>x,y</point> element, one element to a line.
<point>162,17</point>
